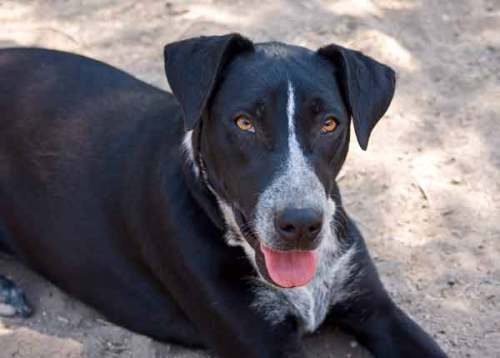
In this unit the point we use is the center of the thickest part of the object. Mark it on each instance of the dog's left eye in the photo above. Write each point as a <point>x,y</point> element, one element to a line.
<point>244,123</point>
<point>329,125</point>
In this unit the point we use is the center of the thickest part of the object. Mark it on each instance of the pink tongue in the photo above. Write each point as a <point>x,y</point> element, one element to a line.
<point>289,268</point>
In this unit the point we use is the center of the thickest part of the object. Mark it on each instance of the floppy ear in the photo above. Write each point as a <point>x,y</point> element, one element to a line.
<point>367,87</point>
<point>193,67</point>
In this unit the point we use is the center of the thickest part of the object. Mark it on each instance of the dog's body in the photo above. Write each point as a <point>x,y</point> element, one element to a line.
<point>103,192</point>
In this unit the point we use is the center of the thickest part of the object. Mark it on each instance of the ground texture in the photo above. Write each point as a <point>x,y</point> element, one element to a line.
<point>426,194</point>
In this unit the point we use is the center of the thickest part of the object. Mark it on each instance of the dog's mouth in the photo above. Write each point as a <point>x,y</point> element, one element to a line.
<point>283,268</point>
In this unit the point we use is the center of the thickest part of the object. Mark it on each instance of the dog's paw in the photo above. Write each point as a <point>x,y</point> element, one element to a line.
<point>12,300</point>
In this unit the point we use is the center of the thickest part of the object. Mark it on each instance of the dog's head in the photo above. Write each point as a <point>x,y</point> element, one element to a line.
<point>268,131</point>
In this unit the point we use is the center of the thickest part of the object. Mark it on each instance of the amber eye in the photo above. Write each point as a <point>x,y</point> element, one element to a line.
<point>329,125</point>
<point>244,123</point>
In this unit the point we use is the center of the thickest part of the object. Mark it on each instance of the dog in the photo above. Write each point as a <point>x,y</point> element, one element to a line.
<point>210,217</point>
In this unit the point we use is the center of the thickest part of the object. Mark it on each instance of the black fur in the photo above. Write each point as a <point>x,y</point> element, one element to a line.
<point>194,67</point>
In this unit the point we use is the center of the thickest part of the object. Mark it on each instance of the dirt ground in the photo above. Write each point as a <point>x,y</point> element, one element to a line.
<point>426,194</point>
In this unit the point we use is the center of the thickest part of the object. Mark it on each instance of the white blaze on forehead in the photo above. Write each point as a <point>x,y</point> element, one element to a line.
<point>290,112</point>
<point>293,145</point>
<point>296,161</point>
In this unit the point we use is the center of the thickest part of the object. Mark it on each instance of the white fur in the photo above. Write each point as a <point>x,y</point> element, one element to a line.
<point>187,148</point>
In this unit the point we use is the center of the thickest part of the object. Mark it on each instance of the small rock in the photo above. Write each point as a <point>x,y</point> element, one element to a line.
<point>447,212</point>
<point>451,281</point>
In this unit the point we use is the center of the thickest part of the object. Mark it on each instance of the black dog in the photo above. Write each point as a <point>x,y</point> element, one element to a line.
<point>211,218</point>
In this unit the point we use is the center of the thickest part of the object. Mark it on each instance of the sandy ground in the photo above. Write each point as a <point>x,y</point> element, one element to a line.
<point>426,194</point>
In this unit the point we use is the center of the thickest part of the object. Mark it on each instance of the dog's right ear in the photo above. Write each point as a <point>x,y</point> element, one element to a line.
<point>193,67</point>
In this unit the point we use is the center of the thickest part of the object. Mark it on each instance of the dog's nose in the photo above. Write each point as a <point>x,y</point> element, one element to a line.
<point>299,224</point>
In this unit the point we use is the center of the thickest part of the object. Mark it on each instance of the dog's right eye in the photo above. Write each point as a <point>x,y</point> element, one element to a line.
<point>244,123</point>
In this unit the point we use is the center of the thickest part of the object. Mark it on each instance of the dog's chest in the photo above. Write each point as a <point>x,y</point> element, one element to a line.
<point>311,303</point>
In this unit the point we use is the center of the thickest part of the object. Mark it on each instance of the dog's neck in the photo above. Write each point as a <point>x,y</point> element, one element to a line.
<point>196,180</point>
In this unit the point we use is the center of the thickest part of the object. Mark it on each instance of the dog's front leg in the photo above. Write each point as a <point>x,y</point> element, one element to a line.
<point>387,331</point>
<point>369,313</point>
<point>209,281</point>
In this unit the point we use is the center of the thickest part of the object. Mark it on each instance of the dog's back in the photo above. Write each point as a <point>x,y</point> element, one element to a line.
<point>63,116</point>
<point>67,92</point>
<point>69,126</point>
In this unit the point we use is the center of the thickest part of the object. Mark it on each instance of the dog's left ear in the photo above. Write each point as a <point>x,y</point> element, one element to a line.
<point>367,86</point>
<point>193,67</point>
